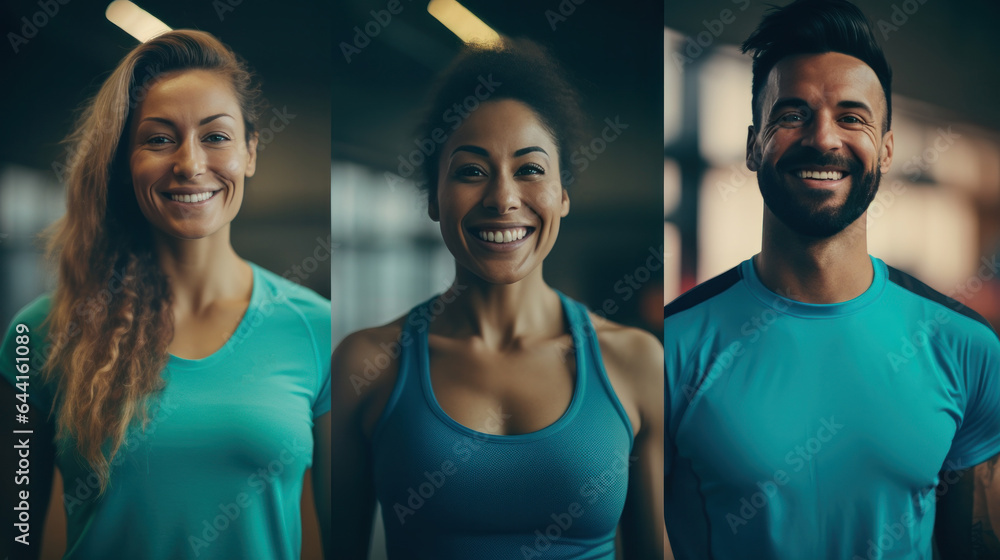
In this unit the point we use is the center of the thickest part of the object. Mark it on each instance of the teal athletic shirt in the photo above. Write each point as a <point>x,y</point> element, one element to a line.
<point>801,431</point>
<point>450,492</point>
<point>218,472</point>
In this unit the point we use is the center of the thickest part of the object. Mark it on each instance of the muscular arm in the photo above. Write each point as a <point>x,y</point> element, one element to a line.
<point>42,461</point>
<point>359,394</point>
<point>636,358</point>
<point>968,513</point>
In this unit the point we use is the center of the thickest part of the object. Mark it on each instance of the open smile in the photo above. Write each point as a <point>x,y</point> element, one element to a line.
<point>190,198</point>
<point>820,177</point>
<point>501,238</point>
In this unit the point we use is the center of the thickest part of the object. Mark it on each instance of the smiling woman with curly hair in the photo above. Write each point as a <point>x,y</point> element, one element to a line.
<point>505,420</point>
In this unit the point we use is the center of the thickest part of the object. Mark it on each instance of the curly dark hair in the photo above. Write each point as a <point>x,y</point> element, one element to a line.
<point>815,27</point>
<point>517,69</point>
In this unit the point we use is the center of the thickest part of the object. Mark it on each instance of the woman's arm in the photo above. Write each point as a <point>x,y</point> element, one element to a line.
<point>321,480</point>
<point>642,524</point>
<point>35,480</point>
<point>359,395</point>
<point>634,361</point>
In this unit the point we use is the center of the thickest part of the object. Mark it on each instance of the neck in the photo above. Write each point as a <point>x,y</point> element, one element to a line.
<point>811,270</point>
<point>202,271</point>
<point>500,314</point>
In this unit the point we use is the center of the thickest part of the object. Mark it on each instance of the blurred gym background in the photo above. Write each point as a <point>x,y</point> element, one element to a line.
<point>60,59</point>
<point>937,215</point>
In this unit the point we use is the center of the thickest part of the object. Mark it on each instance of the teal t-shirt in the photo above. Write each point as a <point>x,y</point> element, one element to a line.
<point>796,430</point>
<point>218,471</point>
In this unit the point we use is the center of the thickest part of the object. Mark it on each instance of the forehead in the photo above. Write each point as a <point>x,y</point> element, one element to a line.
<point>823,79</point>
<point>191,93</point>
<point>502,126</point>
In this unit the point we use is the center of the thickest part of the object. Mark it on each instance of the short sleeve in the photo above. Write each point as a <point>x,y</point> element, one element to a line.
<point>674,402</point>
<point>324,344</point>
<point>322,404</point>
<point>32,348</point>
<point>978,436</point>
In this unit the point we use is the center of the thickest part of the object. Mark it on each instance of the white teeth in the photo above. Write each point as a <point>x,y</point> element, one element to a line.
<point>822,175</point>
<point>503,236</point>
<point>192,197</point>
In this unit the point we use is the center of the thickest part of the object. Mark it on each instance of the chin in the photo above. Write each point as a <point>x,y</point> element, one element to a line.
<point>498,276</point>
<point>189,232</point>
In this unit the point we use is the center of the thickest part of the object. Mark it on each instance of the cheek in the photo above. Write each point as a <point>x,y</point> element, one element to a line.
<point>233,164</point>
<point>774,139</point>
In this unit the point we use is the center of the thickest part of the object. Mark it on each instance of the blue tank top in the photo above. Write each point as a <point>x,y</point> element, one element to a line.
<point>451,492</point>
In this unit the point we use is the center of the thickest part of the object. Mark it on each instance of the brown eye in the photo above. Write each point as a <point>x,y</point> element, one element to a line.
<point>530,169</point>
<point>469,171</point>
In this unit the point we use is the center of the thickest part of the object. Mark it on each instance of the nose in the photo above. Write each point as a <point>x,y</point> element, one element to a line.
<point>822,133</point>
<point>189,160</point>
<point>502,194</point>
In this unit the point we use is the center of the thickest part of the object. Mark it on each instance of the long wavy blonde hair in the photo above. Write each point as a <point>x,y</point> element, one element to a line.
<point>110,319</point>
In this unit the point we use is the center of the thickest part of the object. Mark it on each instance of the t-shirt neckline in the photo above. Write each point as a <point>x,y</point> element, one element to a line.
<point>235,339</point>
<point>782,304</point>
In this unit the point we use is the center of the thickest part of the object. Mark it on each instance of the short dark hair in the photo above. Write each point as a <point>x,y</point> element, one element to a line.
<point>518,69</point>
<point>815,27</point>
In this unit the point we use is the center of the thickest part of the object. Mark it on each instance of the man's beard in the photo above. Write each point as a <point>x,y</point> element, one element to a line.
<point>800,208</point>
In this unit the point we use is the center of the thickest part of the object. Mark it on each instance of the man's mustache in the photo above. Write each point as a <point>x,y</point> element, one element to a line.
<point>804,157</point>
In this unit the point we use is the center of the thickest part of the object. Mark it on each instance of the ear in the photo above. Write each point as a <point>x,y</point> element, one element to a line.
<point>565,204</point>
<point>252,155</point>
<point>885,155</point>
<point>753,150</point>
<point>432,207</point>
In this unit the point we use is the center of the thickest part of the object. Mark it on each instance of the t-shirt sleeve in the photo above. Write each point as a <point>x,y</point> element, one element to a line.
<point>978,436</point>
<point>25,342</point>
<point>324,343</point>
<point>322,404</point>
<point>675,400</point>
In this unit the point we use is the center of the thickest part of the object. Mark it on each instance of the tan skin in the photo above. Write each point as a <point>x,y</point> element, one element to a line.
<point>188,136</point>
<point>842,110</point>
<point>503,343</point>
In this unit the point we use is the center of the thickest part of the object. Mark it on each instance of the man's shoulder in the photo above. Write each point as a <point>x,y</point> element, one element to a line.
<point>949,312</point>
<point>703,292</point>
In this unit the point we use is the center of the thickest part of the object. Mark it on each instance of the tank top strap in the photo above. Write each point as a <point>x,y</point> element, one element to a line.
<point>591,366</point>
<point>412,353</point>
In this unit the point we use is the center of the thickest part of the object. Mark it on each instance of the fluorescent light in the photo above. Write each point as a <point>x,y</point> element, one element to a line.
<point>460,21</point>
<point>134,20</point>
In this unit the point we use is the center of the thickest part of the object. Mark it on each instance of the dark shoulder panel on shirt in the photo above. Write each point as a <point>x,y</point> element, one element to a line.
<point>703,292</point>
<point>917,287</point>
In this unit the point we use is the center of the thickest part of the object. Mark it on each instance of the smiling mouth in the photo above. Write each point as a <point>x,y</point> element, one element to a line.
<point>820,175</point>
<point>190,198</point>
<point>502,236</point>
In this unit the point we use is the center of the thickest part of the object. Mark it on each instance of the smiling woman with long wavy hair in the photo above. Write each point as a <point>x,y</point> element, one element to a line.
<point>188,389</point>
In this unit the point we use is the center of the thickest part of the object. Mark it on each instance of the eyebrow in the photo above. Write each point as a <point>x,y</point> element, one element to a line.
<point>203,121</point>
<point>482,152</point>
<point>528,150</point>
<point>798,102</point>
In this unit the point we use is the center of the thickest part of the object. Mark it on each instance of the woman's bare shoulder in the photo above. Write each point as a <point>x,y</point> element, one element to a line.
<point>629,349</point>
